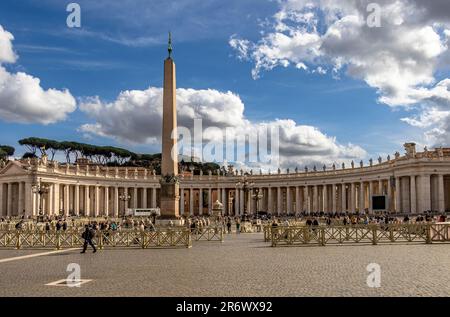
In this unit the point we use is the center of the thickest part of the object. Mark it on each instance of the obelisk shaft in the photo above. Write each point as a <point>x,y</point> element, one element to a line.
<point>169,193</point>
<point>169,164</point>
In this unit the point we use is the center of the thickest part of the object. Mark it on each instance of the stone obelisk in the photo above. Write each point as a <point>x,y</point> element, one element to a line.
<point>169,194</point>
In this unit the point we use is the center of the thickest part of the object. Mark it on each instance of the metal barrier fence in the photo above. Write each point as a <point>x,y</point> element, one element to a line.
<point>22,239</point>
<point>208,234</point>
<point>374,234</point>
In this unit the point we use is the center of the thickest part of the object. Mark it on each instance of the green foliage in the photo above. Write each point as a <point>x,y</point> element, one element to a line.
<point>105,155</point>
<point>9,150</point>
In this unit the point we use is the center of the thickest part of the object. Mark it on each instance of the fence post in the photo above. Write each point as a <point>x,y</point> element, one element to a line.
<point>18,241</point>
<point>58,240</point>
<point>374,235</point>
<point>100,239</point>
<point>428,233</point>
<point>143,239</point>
<point>322,236</point>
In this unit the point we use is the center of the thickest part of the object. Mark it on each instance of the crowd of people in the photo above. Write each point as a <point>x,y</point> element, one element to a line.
<point>237,224</point>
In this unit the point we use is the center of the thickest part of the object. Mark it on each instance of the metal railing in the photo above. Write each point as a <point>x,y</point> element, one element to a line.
<point>373,234</point>
<point>208,234</point>
<point>163,238</point>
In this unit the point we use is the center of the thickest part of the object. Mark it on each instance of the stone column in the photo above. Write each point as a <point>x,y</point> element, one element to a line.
<point>200,201</point>
<point>441,193</point>
<point>209,201</point>
<point>2,210</point>
<point>390,194</point>
<point>191,201</point>
<point>298,204</point>
<point>224,201</point>
<point>50,202</point>
<point>424,193</point>
<point>279,206</point>
<point>28,199</point>
<point>9,201</point>
<point>361,197</point>
<point>269,200</point>
<point>333,197</point>
<point>96,201</point>
<point>20,203</point>
<point>182,201</point>
<point>412,189</point>
<point>236,201</point>
<point>380,187</point>
<point>87,201</point>
<point>288,200</point>
<point>249,201</point>
<point>144,197</point>
<point>352,198</point>
<point>398,201</point>
<point>135,197</point>
<point>315,199</point>
<point>370,196</point>
<point>106,201</point>
<point>154,197</point>
<point>66,200</point>
<point>76,203</point>
<point>116,201</point>
<point>306,202</point>
<point>343,198</point>
<point>325,197</point>
<point>242,201</point>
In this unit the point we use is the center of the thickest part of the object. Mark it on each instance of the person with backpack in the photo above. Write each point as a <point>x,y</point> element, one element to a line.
<point>88,235</point>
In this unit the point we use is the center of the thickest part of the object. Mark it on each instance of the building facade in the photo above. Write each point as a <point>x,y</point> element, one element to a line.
<point>413,183</point>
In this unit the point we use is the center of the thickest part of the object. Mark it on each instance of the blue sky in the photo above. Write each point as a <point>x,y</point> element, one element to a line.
<point>121,46</point>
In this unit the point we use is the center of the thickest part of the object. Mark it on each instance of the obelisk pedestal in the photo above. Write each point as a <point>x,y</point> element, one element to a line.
<point>169,194</point>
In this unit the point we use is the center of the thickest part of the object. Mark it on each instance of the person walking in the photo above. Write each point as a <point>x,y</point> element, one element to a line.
<point>88,235</point>
<point>238,225</point>
<point>229,225</point>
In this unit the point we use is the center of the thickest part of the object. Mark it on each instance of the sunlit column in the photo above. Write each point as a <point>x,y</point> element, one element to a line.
<point>397,195</point>
<point>352,197</point>
<point>343,198</point>
<point>370,196</point>
<point>106,201</point>
<point>441,193</point>
<point>279,206</point>
<point>154,197</point>
<point>325,198</point>
<point>116,201</point>
<point>144,197</point>
<point>66,200</point>
<point>9,200</point>
<point>413,194</point>
<point>288,200</point>
<point>87,201</point>
<point>135,197</point>
<point>96,201</point>
<point>361,197</point>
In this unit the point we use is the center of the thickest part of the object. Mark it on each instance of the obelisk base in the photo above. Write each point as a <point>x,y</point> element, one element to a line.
<point>169,205</point>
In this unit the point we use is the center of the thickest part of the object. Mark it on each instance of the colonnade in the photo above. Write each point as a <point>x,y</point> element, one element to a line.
<point>406,194</point>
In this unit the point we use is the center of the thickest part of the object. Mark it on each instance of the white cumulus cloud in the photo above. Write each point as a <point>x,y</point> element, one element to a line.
<point>22,98</point>
<point>136,116</point>
<point>400,59</point>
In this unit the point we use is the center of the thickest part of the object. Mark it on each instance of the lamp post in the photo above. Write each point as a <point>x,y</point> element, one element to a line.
<point>40,189</point>
<point>257,196</point>
<point>246,186</point>
<point>124,198</point>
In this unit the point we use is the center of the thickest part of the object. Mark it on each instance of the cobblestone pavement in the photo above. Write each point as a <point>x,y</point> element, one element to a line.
<point>243,265</point>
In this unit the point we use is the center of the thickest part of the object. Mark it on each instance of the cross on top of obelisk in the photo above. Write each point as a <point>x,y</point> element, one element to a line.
<point>170,45</point>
